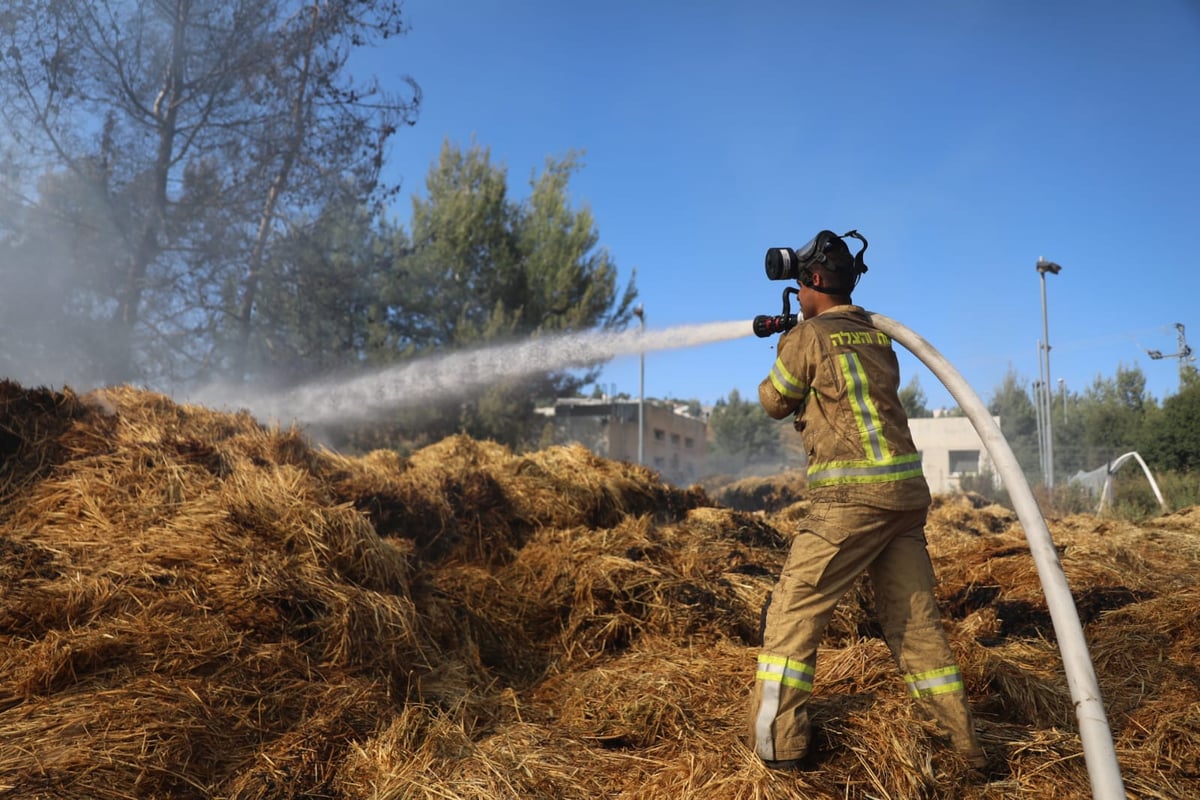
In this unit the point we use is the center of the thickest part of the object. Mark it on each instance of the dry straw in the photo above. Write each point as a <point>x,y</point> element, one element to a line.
<point>195,606</point>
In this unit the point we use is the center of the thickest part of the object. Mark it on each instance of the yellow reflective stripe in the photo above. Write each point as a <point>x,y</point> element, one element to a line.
<point>786,383</point>
<point>870,427</point>
<point>788,671</point>
<point>857,472</point>
<point>934,682</point>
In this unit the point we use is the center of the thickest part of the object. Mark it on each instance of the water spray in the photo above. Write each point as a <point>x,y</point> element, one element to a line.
<point>424,381</point>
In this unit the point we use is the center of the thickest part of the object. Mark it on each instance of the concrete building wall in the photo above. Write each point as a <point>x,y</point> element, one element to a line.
<point>675,443</point>
<point>950,448</point>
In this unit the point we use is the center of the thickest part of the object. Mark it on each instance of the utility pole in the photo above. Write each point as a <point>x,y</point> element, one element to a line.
<point>640,313</point>
<point>1039,410</point>
<point>1184,354</point>
<point>1044,266</point>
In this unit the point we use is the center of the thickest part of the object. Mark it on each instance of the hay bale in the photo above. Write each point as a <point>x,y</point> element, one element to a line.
<point>169,558</point>
<point>569,486</point>
<point>590,591</point>
<point>468,501</point>
<point>32,426</point>
<point>195,605</point>
<point>770,493</point>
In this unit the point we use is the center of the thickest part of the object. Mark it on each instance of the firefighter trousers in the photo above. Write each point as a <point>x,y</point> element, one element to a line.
<point>837,545</point>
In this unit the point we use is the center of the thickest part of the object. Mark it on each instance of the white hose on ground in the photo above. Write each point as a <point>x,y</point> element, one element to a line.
<point>1098,750</point>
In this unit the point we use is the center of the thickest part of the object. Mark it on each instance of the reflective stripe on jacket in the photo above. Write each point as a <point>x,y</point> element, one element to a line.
<point>841,379</point>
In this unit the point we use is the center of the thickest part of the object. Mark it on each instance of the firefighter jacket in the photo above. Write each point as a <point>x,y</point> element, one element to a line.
<point>840,377</point>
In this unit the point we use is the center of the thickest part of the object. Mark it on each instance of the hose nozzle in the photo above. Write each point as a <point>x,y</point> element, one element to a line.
<point>766,325</point>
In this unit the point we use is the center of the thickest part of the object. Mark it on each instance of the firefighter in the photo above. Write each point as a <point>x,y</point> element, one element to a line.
<point>839,377</point>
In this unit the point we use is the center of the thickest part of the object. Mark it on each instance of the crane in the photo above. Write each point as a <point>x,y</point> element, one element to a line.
<point>1184,354</point>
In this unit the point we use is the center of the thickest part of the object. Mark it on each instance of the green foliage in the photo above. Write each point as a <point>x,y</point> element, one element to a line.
<point>1018,422</point>
<point>1133,498</point>
<point>1179,489</point>
<point>482,268</point>
<point>188,140</point>
<point>1071,452</point>
<point>463,269</point>
<point>1170,438</point>
<point>1088,430</point>
<point>318,303</point>
<point>913,398</point>
<point>1189,376</point>
<point>496,267</point>
<point>1111,415</point>
<point>743,435</point>
<point>1067,498</point>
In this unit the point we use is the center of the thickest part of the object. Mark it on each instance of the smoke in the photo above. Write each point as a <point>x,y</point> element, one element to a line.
<point>59,255</point>
<point>432,380</point>
<point>41,341</point>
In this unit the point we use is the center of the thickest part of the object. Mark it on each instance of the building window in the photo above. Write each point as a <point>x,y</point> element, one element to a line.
<point>675,439</point>
<point>659,435</point>
<point>964,461</point>
<point>689,442</point>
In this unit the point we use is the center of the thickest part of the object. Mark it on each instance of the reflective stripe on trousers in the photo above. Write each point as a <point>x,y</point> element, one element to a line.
<point>774,674</point>
<point>935,682</point>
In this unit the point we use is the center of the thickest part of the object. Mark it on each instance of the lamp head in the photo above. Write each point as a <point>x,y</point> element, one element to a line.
<point>1044,266</point>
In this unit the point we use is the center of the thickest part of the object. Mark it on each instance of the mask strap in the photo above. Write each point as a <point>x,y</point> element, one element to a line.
<point>859,266</point>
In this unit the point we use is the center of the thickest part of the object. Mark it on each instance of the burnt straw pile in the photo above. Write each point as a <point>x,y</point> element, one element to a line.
<point>193,605</point>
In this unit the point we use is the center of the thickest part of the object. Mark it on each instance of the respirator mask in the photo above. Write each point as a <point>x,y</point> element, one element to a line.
<point>827,250</point>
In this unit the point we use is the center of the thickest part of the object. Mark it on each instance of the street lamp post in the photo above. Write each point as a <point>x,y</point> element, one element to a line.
<point>640,313</point>
<point>1040,415</point>
<point>1044,266</point>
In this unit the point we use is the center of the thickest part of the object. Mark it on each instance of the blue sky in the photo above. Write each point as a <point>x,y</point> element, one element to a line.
<point>964,138</point>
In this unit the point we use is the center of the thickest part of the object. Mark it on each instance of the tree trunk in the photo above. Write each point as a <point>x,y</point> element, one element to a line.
<point>279,185</point>
<point>166,111</point>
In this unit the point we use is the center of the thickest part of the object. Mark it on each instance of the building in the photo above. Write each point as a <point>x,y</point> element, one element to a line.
<point>950,448</point>
<point>675,444</point>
